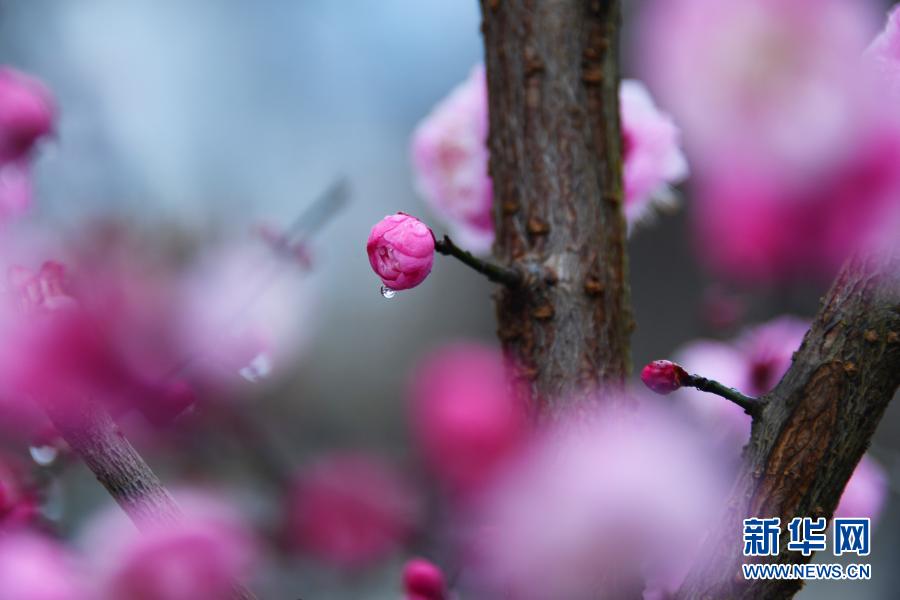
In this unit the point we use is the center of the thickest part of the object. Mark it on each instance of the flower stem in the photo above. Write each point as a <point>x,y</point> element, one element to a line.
<point>493,272</point>
<point>751,406</point>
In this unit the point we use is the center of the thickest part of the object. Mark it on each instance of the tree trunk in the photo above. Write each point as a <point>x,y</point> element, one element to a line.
<point>814,428</point>
<point>555,146</point>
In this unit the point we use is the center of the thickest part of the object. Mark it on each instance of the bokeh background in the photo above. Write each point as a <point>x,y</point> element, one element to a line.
<point>217,115</point>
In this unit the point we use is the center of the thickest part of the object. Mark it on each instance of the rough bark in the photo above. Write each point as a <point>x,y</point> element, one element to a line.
<point>92,434</point>
<point>815,426</point>
<point>555,149</point>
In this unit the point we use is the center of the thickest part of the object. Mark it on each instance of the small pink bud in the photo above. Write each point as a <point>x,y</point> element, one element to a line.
<point>663,376</point>
<point>423,580</point>
<point>401,251</point>
<point>26,113</point>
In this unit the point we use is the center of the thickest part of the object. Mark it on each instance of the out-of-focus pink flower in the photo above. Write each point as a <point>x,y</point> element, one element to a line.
<point>33,567</point>
<point>767,80</point>
<point>753,364</point>
<point>26,113</point>
<point>199,558</point>
<point>652,155</point>
<point>59,348</point>
<point>15,188</point>
<point>464,418</point>
<point>865,493</point>
<point>423,580</point>
<point>450,159</point>
<point>351,510</point>
<point>595,503</point>
<point>401,251</point>
<point>794,150</point>
<point>18,498</point>
<point>884,54</point>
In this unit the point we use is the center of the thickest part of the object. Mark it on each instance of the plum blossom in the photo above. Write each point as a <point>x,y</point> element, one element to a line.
<point>401,251</point>
<point>450,159</point>
<point>629,494</point>
<point>651,153</point>
<point>33,567</point>
<point>199,558</point>
<point>794,150</point>
<point>464,418</point>
<point>27,114</point>
<point>351,510</point>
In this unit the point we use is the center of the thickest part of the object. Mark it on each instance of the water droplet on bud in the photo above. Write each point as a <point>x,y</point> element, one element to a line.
<point>387,292</point>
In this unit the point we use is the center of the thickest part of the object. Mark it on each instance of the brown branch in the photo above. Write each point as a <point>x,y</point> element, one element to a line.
<point>815,426</point>
<point>493,272</point>
<point>555,162</point>
<point>93,435</point>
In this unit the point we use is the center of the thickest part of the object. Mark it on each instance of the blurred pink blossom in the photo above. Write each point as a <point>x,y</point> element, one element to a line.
<point>884,54</point>
<point>464,418</point>
<point>795,155</point>
<point>60,344</point>
<point>199,558</point>
<point>33,567</point>
<point>652,155</point>
<point>423,580</point>
<point>26,115</point>
<point>753,364</point>
<point>597,503</point>
<point>401,251</point>
<point>450,159</point>
<point>351,510</point>
<point>18,497</point>
<point>866,492</point>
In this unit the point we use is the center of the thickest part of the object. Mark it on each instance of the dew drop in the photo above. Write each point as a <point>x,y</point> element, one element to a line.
<point>43,455</point>
<point>387,292</point>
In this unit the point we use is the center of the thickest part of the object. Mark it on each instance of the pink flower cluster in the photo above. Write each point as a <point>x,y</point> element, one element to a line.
<point>26,115</point>
<point>794,145</point>
<point>450,159</point>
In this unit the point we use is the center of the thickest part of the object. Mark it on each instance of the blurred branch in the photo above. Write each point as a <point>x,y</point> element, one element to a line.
<point>556,166</point>
<point>815,425</point>
<point>93,435</point>
<point>493,272</point>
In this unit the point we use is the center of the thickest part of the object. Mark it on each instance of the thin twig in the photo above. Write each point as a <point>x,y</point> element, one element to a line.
<point>751,406</point>
<point>493,272</point>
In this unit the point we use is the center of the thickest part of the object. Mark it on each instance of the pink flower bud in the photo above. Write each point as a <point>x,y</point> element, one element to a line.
<point>663,376</point>
<point>26,113</point>
<point>401,251</point>
<point>423,580</point>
